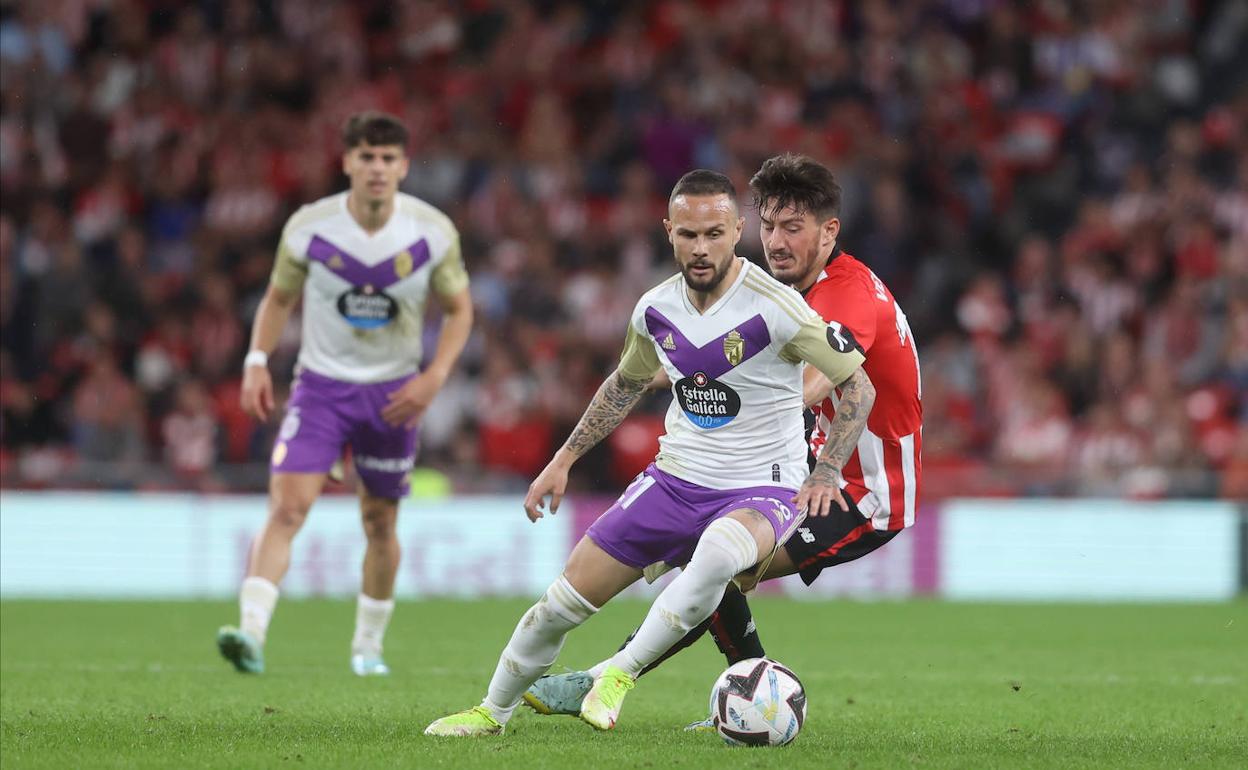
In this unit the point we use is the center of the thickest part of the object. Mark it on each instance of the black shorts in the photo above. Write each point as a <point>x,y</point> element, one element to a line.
<point>825,541</point>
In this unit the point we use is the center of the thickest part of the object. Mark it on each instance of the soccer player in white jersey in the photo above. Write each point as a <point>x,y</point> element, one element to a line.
<point>365,263</point>
<point>798,200</point>
<point>730,482</point>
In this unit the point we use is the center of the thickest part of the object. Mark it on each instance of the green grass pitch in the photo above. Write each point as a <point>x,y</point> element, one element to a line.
<point>892,684</point>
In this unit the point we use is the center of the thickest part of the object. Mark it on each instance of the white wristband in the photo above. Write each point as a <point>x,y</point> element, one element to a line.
<point>256,358</point>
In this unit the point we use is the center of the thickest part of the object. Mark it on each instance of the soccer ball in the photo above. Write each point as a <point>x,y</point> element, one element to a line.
<point>758,702</point>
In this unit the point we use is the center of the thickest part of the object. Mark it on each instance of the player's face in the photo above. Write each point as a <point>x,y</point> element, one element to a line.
<point>704,231</point>
<point>796,243</point>
<point>375,170</point>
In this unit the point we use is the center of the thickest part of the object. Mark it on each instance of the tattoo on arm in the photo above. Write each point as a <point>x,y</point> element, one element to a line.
<point>857,398</point>
<point>611,404</point>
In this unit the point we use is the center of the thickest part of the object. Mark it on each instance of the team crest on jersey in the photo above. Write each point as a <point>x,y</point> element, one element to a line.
<point>403,264</point>
<point>734,347</point>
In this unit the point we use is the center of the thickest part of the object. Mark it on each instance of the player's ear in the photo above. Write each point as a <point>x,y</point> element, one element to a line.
<point>667,225</point>
<point>738,230</point>
<point>346,163</point>
<point>831,230</point>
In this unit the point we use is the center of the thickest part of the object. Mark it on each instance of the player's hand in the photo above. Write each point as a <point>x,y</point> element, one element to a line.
<point>256,397</point>
<point>819,492</point>
<point>552,481</point>
<point>408,403</point>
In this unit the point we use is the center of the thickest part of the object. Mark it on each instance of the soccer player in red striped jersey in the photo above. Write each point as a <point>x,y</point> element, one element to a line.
<point>882,475</point>
<point>798,201</point>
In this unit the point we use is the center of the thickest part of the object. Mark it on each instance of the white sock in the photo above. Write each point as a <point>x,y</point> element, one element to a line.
<point>256,600</point>
<point>371,617</point>
<point>597,670</point>
<point>534,645</point>
<point>725,549</point>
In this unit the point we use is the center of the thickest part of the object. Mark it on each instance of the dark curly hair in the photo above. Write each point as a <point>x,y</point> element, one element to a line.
<point>797,181</point>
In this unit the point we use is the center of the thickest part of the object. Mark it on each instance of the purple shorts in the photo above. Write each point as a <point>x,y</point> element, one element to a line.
<point>325,414</point>
<point>659,518</point>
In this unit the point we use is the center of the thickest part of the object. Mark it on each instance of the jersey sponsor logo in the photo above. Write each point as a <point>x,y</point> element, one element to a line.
<point>367,308</point>
<point>841,338</point>
<point>708,403</point>
<point>734,347</point>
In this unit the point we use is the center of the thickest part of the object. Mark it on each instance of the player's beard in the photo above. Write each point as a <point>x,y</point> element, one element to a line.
<point>709,283</point>
<point>794,273</point>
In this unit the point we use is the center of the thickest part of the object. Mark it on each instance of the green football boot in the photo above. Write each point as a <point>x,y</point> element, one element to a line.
<point>242,649</point>
<point>702,726</point>
<point>474,722</point>
<point>369,665</point>
<point>601,707</point>
<point>559,693</point>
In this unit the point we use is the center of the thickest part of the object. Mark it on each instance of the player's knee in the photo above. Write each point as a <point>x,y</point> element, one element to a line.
<point>563,604</point>
<point>758,526</point>
<point>289,512</point>
<point>727,546</point>
<point>380,522</point>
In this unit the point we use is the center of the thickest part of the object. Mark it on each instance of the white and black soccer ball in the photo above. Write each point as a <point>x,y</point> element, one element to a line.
<point>758,702</point>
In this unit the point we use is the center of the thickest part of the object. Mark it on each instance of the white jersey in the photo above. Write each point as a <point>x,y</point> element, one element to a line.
<point>736,371</point>
<point>364,295</point>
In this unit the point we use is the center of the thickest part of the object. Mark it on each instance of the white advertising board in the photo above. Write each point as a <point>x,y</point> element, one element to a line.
<point>63,544</point>
<point>79,544</point>
<point>1089,550</point>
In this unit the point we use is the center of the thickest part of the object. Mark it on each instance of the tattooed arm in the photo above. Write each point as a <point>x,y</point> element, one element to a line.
<point>839,358</point>
<point>615,398</point>
<point>611,404</point>
<point>857,398</point>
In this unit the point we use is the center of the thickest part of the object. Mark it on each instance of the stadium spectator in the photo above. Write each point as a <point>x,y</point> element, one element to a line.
<point>1057,193</point>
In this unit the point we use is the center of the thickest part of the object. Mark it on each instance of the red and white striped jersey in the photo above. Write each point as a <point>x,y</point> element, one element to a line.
<point>882,475</point>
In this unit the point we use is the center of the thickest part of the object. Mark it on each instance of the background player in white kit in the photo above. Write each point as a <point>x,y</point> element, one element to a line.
<point>723,493</point>
<point>365,262</point>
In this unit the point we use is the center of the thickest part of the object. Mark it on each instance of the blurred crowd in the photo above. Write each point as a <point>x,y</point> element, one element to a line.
<point>1056,192</point>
